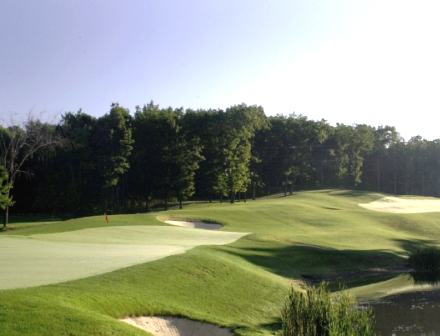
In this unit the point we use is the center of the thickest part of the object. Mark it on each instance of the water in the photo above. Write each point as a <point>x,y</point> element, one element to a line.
<point>406,305</point>
<point>414,313</point>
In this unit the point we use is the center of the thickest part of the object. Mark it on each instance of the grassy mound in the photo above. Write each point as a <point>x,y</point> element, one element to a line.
<point>240,285</point>
<point>64,256</point>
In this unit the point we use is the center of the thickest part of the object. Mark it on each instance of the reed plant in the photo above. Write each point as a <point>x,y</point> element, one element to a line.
<point>425,259</point>
<point>314,313</point>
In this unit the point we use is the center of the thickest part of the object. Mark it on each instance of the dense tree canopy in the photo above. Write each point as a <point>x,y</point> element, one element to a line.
<point>122,162</point>
<point>165,156</point>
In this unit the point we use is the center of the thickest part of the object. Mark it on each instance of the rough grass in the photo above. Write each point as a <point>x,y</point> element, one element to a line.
<point>240,285</point>
<point>425,259</point>
<point>314,313</point>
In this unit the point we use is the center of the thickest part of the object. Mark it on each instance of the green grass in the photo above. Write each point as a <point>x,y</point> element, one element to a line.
<point>240,285</point>
<point>72,255</point>
<point>20,222</point>
<point>398,284</point>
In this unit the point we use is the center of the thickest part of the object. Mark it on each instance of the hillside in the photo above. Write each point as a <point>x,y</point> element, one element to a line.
<point>239,285</point>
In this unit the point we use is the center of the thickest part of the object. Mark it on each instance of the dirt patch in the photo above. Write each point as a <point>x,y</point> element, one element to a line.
<point>404,205</point>
<point>175,326</point>
<point>195,225</point>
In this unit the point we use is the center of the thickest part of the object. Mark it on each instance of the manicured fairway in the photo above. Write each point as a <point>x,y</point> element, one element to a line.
<point>51,258</point>
<point>235,278</point>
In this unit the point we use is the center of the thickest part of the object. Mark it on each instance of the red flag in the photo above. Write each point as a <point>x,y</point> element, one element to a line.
<point>106,218</point>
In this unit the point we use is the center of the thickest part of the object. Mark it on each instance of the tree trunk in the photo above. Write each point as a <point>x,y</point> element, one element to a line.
<point>5,223</point>
<point>117,189</point>
<point>180,202</point>
<point>395,176</point>
<point>378,175</point>
<point>221,198</point>
<point>285,186</point>
<point>232,197</point>
<point>253,191</point>
<point>438,188</point>
<point>245,197</point>
<point>6,219</point>
<point>123,192</point>
<point>147,203</point>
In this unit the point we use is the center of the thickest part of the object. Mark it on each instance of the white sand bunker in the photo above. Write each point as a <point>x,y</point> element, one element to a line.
<point>404,205</point>
<point>175,326</point>
<point>196,225</point>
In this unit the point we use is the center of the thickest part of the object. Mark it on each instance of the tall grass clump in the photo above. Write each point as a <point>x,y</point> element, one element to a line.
<point>425,259</point>
<point>315,313</point>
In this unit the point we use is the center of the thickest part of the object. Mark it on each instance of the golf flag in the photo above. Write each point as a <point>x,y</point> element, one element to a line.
<point>106,218</point>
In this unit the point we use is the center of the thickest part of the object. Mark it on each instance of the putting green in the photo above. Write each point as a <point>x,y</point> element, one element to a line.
<point>52,258</point>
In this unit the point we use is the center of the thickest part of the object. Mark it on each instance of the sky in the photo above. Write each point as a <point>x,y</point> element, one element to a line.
<point>374,62</point>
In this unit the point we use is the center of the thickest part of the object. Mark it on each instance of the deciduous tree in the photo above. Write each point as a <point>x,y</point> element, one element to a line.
<point>18,144</point>
<point>5,199</point>
<point>165,153</point>
<point>353,142</point>
<point>240,124</point>
<point>112,145</point>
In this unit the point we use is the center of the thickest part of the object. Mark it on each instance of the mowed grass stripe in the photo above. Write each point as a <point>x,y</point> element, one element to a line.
<point>52,258</point>
<point>148,235</point>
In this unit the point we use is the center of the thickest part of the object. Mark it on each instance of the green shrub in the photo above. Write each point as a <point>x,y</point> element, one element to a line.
<point>314,313</point>
<point>426,278</point>
<point>425,259</point>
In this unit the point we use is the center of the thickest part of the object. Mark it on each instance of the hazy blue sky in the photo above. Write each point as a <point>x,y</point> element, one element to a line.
<point>373,62</point>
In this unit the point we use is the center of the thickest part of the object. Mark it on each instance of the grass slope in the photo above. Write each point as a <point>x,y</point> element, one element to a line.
<point>65,256</point>
<point>240,285</point>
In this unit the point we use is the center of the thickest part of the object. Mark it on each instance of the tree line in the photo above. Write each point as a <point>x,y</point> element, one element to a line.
<point>124,163</point>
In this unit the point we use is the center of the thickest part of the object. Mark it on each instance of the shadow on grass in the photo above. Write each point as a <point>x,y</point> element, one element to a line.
<point>331,208</point>
<point>302,262</point>
<point>13,219</point>
<point>283,196</point>
<point>348,193</point>
<point>272,328</point>
<point>20,222</point>
<point>414,244</point>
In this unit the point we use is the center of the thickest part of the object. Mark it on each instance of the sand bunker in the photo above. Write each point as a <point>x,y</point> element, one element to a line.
<point>195,225</point>
<point>175,326</point>
<point>404,205</point>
